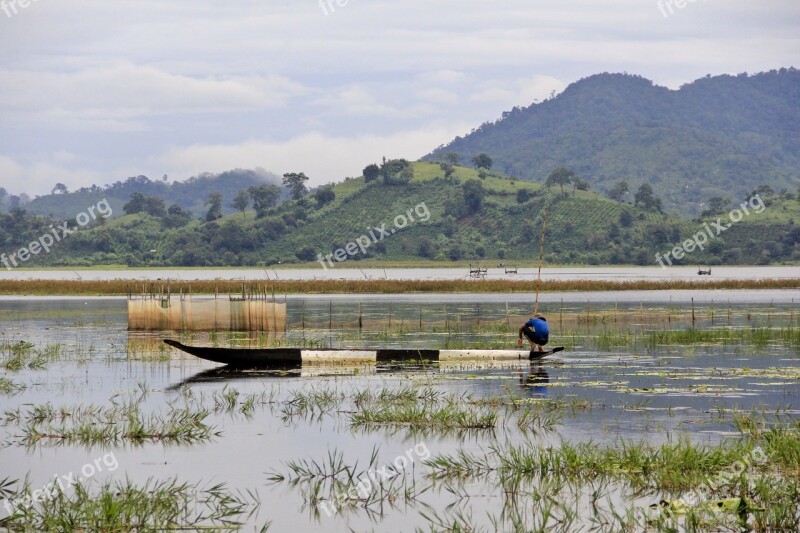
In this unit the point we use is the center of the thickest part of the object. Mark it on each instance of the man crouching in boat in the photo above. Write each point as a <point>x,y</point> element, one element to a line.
<point>536,331</point>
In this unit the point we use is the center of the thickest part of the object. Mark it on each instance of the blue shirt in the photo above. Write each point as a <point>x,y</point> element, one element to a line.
<point>539,326</point>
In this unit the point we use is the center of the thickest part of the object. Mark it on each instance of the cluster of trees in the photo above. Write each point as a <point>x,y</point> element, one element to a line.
<point>173,216</point>
<point>480,161</point>
<point>469,201</point>
<point>18,227</point>
<point>265,197</point>
<point>391,171</point>
<point>562,176</point>
<point>644,196</point>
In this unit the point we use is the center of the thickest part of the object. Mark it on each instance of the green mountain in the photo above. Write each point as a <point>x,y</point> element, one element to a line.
<point>719,136</point>
<point>421,213</point>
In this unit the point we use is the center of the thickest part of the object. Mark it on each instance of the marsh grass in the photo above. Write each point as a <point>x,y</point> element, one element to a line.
<point>124,421</point>
<point>767,491</point>
<point>10,387</point>
<point>756,337</point>
<point>419,408</point>
<point>125,506</point>
<point>21,355</point>
<point>16,356</point>
<point>123,287</point>
<point>644,466</point>
<point>447,416</point>
<point>230,401</point>
<point>427,408</point>
<point>313,402</point>
<point>335,486</point>
<point>6,484</point>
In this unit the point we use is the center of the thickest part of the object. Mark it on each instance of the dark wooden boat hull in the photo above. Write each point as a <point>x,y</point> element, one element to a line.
<point>271,357</point>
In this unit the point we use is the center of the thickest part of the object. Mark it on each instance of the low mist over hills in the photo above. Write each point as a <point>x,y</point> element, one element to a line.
<point>718,136</point>
<point>191,195</point>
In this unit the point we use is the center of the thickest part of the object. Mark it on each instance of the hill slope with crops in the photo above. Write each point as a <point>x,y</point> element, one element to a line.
<point>432,217</point>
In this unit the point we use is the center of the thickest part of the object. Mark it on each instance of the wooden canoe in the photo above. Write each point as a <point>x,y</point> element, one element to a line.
<point>267,357</point>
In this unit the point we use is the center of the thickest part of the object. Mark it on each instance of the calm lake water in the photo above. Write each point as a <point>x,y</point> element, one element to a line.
<point>629,390</point>
<point>353,273</point>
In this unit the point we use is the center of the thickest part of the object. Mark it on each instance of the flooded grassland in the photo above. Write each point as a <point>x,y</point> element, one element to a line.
<point>660,414</point>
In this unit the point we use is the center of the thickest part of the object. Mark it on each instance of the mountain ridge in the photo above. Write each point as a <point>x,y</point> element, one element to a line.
<point>717,136</point>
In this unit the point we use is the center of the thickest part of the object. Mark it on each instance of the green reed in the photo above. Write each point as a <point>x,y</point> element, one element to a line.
<point>126,506</point>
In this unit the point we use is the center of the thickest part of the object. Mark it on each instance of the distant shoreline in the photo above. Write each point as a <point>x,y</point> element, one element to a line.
<point>224,287</point>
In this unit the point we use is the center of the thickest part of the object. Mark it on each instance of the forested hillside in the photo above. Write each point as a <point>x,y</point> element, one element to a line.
<point>427,212</point>
<point>719,136</point>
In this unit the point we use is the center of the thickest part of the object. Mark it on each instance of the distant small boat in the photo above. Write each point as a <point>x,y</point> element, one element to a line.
<point>266,357</point>
<point>706,272</point>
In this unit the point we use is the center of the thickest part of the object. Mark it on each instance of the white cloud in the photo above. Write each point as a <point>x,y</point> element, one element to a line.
<point>94,90</point>
<point>111,96</point>
<point>356,101</point>
<point>521,92</point>
<point>39,177</point>
<point>322,158</point>
<point>438,96</point>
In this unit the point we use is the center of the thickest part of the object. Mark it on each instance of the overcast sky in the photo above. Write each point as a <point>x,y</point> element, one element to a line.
<point>94,91</point>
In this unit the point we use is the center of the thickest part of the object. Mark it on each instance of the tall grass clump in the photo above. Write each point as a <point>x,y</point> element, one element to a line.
<point>121,422</point>
<point>125,506</point>
<point>448,416</point>
<point>16,356</point>
<point>335,486</point>
<point>8,386</point>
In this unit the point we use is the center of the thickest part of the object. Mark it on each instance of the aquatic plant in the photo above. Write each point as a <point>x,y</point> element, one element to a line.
<point>125,506</point>
<point>8,386</point>
<point>448,416</point>
<point>95,424</point>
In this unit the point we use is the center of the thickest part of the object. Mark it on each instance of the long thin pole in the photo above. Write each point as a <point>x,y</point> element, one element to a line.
<point>541,257</point>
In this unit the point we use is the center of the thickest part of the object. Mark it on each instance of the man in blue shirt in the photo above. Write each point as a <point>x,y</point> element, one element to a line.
<point>536,331</point>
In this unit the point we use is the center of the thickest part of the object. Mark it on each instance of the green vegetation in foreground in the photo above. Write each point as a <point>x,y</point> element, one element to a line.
<point>759,471</point>
<point>448,416</point>
<point>19,355</point>
<point>93,424</point>
<point>125,420</point>
<point>8,386</point>
<point>125,506</point>
<point>746,482</point>
<point>423,408</point>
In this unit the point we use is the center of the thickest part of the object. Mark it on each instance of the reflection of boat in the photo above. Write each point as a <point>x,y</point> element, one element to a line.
<point>312,370</point>
<point>267,357</point>
<point>224,373</point>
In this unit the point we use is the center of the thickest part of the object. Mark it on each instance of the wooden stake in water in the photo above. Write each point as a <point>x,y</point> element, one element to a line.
<point>541,257</point>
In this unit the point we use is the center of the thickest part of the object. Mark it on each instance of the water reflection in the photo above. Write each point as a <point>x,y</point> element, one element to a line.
<point>535,382</point>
